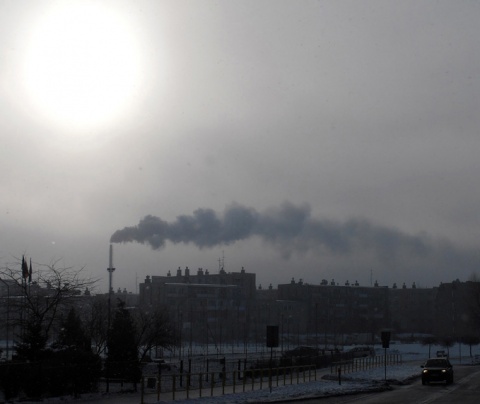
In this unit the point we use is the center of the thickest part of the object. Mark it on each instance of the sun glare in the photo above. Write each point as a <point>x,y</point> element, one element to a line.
<point>82,66</point>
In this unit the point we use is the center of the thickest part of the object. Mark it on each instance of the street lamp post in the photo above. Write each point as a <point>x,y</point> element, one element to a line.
<point>283,330</point>
<point>180,334</point>
<point>288,331</point>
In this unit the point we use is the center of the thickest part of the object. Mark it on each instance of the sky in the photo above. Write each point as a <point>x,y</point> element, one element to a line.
<point>308,140</point>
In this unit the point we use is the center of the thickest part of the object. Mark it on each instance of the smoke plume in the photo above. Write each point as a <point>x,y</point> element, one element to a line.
<point>292,229</point>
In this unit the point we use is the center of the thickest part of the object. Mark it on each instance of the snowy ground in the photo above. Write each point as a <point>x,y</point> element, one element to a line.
<point>368,380</point>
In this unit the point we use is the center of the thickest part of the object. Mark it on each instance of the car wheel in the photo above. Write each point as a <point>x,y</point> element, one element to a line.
<point>424,382</point>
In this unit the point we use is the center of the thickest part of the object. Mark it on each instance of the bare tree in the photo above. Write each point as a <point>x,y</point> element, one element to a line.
<point>95,317</point>
<point>470,340</point>
<point>429,340</point>
<point>42,294</point>
<point>154,329</point>
<point>472,297</point>
<point>447,341</point>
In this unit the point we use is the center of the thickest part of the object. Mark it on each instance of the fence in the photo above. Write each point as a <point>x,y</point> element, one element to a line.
<point>202,384</point>
<point>195,385</point>
<point>228,362</point>
<point>359,364</point>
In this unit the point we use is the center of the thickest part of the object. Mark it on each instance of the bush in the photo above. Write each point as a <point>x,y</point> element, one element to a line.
<point>65,372</point>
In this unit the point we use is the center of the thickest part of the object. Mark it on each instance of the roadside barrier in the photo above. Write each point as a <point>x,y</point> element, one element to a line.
<point>186,385</point>
<point>370,362</point>
<point>195,385</point>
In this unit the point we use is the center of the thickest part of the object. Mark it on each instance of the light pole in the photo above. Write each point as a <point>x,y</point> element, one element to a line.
<point>180,334</point>
<point>283,331</point>
<point>8,315</point>
<point>288,331</point>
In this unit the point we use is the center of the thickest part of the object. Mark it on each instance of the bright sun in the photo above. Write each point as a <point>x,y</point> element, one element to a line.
<point>82,65</point>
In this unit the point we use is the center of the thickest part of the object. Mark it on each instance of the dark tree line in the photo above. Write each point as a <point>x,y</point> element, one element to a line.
<point>62,344</point>
<point>133,334</point>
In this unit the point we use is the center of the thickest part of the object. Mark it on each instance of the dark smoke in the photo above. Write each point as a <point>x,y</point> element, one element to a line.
<point>289,228</point>
<point>354,246</point>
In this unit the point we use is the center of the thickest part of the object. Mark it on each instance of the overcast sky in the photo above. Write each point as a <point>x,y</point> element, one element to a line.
<point>304,139</point>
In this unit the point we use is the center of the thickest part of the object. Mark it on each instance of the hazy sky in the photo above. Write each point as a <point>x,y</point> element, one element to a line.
<point>305,139</point>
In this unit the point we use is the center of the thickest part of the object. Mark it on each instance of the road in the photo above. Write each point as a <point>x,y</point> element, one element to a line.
<point>466,389</point>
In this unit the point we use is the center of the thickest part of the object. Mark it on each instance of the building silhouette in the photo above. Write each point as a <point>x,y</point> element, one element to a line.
<point>228,308</point>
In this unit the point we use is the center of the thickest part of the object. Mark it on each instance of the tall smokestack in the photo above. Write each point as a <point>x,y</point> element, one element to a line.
<point>110,269</point>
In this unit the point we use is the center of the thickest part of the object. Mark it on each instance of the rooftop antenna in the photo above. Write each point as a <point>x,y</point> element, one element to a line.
<point>371,277</point>
<point>221,262</point>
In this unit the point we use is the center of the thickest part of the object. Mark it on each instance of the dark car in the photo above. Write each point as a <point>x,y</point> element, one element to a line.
<point>302,355</point>
<point>361,352</point>
<point>437,370</point>
<point>302,351</point>
<point>161,364</point>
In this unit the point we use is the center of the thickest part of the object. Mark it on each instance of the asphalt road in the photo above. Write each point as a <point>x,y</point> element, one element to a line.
<point>465,389</point>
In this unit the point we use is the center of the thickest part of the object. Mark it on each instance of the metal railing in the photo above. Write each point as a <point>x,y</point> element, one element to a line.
<point>195,385</point>
<point>359,364</point>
